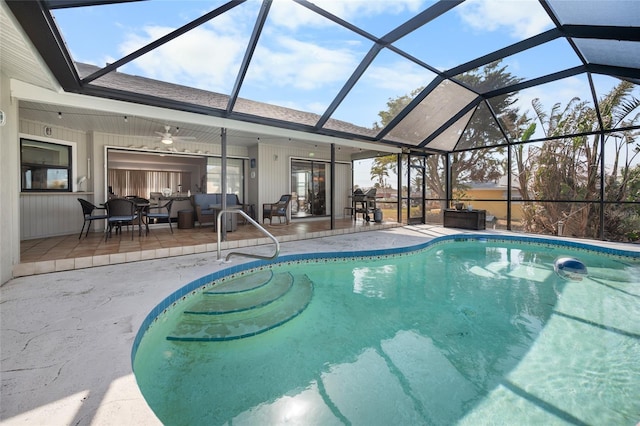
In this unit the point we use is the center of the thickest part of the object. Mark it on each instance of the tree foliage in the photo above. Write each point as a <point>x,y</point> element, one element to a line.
<point>568,167</point>
<point>560,179</point>
<point>478,165</point>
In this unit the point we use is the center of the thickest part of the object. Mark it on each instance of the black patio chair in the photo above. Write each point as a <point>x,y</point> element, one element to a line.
<point>163,213</point>
<point>121,211</point>
<point>88,210</point>
<point>278,209</point>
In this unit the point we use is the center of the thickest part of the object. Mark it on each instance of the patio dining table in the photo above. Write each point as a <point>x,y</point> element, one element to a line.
<point>141,207</point>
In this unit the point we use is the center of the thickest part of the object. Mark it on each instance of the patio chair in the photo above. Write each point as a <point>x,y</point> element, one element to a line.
<point>160,212</point>
<point>88,210</point>
<point>121,211</point>
<point>278,209</point>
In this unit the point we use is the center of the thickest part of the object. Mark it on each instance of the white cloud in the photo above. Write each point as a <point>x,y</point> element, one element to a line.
<point>206,57</point>
<point>355,8</point>
<point>293,16</point>
<point>522,18</point>
<point>400,77</point>
<point>201,58</point>
<point>301,65</point>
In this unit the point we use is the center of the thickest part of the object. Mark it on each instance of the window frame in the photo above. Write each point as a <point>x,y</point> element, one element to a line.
<point>71,168</point>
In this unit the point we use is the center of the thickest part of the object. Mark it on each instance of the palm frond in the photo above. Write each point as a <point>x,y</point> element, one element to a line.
<point>623,110</point>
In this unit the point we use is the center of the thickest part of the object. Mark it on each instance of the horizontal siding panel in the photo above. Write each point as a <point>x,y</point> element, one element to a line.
<point>50,215</point>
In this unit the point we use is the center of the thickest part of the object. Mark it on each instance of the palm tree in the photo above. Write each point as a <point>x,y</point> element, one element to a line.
<point>567,168</point>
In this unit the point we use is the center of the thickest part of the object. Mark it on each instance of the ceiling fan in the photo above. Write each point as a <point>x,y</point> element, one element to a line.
<point>167,138</point>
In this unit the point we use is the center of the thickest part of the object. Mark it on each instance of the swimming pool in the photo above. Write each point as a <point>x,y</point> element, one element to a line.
<point>459,330</point>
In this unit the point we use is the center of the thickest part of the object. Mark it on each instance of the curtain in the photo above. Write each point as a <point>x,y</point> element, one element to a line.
<point>142,182</point>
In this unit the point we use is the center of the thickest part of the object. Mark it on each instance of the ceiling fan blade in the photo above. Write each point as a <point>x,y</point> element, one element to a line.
<point>165,138</point>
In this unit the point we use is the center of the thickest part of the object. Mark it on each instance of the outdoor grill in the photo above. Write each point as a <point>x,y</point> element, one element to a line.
<point>365,203</point>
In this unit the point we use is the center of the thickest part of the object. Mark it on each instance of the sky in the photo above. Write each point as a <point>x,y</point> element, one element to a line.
<point>303,60</point>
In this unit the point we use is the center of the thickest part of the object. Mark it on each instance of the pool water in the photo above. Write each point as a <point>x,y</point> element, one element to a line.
<point>461,332</point>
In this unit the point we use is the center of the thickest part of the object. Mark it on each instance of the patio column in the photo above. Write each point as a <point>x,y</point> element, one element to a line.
<point>223,190</point>
<point>332,189</point>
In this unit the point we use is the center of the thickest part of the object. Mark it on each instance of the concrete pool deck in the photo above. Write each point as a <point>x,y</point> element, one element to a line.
<point>66,337</point>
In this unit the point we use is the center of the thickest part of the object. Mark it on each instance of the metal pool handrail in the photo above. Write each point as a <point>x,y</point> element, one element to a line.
<point>254,223</point>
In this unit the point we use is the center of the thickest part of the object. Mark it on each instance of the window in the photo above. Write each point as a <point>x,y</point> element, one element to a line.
<point>235,176</point>
<point>45,166</point>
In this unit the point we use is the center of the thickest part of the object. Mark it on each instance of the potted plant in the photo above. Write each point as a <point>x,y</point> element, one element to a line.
<point>458,195</point>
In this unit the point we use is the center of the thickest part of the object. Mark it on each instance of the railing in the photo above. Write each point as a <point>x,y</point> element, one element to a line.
<point>254,223</point>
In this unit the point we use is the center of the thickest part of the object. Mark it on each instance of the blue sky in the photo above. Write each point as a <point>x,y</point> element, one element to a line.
<point>302,60</point>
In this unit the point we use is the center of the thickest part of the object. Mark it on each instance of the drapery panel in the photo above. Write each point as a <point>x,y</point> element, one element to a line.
<point>142,182</point>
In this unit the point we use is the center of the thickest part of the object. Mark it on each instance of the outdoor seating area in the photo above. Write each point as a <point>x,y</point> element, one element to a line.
<point>124,213</point>
<point>67,252</point>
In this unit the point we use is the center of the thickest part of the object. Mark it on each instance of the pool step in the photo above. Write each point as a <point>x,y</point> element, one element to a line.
<point>222,302</point>
<point>229,316</point>
<point>243,283</point>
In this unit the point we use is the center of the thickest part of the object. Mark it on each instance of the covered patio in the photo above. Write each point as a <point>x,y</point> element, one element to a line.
<point>67,252</point>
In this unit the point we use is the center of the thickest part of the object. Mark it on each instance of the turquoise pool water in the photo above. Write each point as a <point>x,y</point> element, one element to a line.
<point>462,332</point>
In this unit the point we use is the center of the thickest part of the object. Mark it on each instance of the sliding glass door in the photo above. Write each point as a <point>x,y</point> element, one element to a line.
<point>309,188</point>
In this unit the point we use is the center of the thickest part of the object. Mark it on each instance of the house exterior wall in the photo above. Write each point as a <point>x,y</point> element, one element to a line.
<point>497,209</point>
<point>9,183</point>
<point>274,170</point>
<point>50,214</point>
